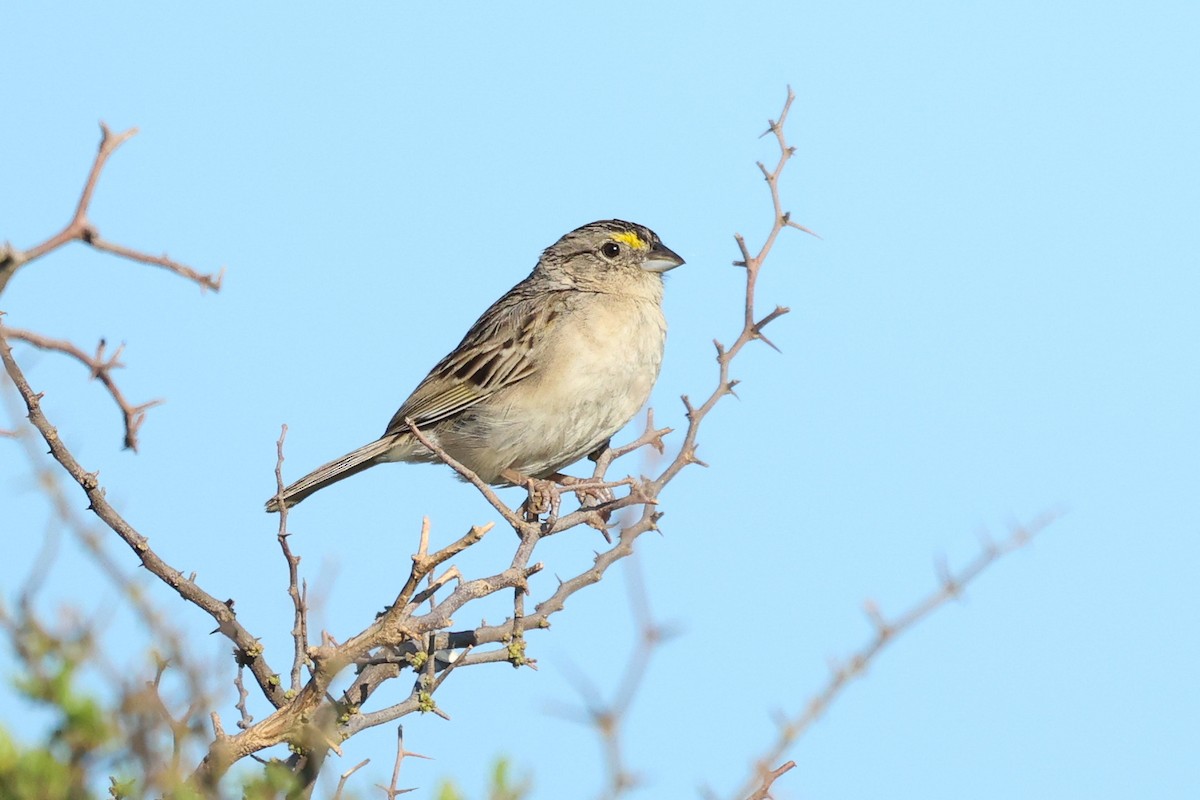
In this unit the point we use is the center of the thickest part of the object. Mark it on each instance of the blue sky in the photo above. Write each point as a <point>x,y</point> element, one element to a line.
<point>999,320</point>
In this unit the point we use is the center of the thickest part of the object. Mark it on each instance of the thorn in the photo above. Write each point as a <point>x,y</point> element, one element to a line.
<point>687,405</point>
<point>800,227</point>
<point>873,613</point>
<point>215,284</point>
<point>768,342</point>
<point>942,570</point>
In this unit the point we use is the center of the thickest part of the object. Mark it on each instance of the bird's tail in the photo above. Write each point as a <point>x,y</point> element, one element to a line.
<point>351,463</point>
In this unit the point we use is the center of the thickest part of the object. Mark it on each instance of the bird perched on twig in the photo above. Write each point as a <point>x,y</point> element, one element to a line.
<point>552,370</point>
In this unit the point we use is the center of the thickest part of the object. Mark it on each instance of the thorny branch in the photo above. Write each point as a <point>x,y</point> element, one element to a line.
<point>100,364</point>
<point>763,792</point>
<point>247,647</point>
<point>142,708</point>
<point>390,790</point>
<point>89,536</point>
<point>608,718</point>
<point>510,516</point>
<point>885,631</point>
<point>81,229</point>
<point>297,590</point>
<point>345,776</point>
<point>752,324</point>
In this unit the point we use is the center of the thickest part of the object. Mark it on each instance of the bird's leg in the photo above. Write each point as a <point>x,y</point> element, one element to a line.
<point>543,498</point>
<point>590,497</point>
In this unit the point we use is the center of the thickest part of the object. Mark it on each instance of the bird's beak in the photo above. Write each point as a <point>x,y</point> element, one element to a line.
<point>661,259</point>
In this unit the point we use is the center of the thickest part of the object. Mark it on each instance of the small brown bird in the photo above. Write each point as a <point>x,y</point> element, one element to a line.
<point>552,370</point>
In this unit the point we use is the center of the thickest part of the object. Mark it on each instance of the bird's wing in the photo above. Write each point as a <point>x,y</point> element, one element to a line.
<point>495,354</point>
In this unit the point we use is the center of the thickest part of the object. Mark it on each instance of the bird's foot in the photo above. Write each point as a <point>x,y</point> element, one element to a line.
<point>588,492</point>
<point>544,496</point>
<point>593,494</point>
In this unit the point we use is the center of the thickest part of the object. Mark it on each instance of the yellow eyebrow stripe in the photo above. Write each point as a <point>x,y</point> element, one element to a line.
<point>632,239</point>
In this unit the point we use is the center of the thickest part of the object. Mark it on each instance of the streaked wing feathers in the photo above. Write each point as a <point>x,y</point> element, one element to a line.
<point>493,355</point>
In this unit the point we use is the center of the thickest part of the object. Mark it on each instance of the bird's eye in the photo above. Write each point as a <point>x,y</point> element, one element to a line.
<point>610,249</point>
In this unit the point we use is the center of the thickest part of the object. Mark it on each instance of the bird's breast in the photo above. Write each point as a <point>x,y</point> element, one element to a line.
<point>595,371</point>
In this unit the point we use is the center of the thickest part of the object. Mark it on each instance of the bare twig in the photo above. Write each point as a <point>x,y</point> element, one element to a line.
<point>763,792</point>
<point>169,641</point>
<point>296,590</point>
<point>424,564</point>
<point>81,229</point>
<point>100,365</point>
<point>650,436</point>
<point>752,325</point>
<point>608,718</point>
<point>391,790</point>
<point>951,586</point>
<point>248,648</point>
<point>510,516</point>
<point>246,719</point>
<point>345,776</point>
